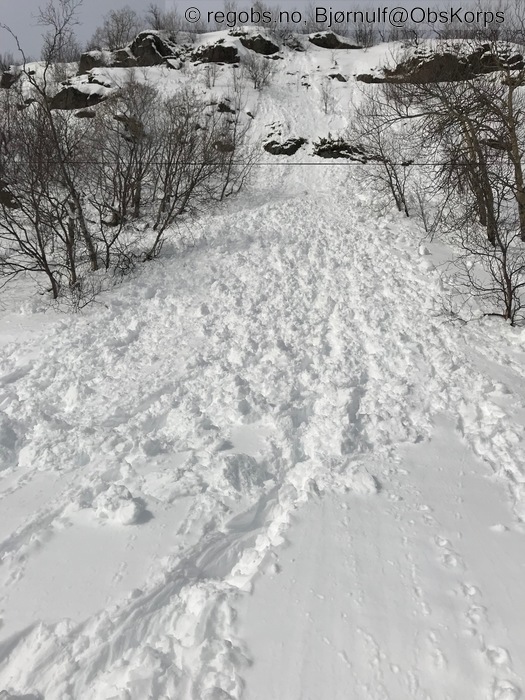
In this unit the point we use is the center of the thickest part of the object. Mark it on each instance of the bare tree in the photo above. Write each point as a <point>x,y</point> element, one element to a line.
<point>385,138</point>
<point>163,20</point>
<point>60,16</point>
<point>7,60</point>
<point>326,93</point>
<point>118,29</point>
<point>259,69</point>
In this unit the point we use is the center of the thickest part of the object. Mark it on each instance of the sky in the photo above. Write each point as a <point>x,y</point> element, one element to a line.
<point>21,16</point>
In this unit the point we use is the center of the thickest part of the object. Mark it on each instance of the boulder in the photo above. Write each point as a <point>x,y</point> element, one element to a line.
<point>259,44</point>
<point>72,98</point>
<point>86,114</point>
<point>90,60</point>
<point>150,50</point>
<point>287,148</point>
<point>8,79</point>
<point>338,76</point>
<point>224,146</point>
<point>329,40</point>
<point>339,148</point>
<point>123,58</point>
<point>216,53</point>
<point>223,107</point>
<point>446,66</point>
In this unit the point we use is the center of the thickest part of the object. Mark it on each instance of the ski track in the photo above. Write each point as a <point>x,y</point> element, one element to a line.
<point>308,322</point>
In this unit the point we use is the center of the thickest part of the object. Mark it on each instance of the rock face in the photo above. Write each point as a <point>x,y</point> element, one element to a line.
<point>90,60</point>
<point>339,148</point>
<point>259,44</point>
<point>73,98</point>
<point>8,79</point>
<point>224,107</point>
<point>6,198</point>
<point>86,114</point>
<point>216,53</point>
<point>149,48</point>
<point>329,40</point>
<point>447,66</point>
<point>288,148</point>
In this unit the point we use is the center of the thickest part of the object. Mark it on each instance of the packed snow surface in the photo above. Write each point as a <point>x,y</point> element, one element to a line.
<point>266,467</point>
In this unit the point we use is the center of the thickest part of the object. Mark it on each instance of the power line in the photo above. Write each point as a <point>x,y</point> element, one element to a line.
<point>339,161</point>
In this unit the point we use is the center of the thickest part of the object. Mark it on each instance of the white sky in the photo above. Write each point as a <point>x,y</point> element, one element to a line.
<point>20,14</point>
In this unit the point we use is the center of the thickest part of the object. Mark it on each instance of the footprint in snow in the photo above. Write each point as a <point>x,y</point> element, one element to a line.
<point>476,614</point>
<point>505,690</point>
<point>451,561</point>
<point>442,542</point>
<point>498,656</point>
<point>470,591</point>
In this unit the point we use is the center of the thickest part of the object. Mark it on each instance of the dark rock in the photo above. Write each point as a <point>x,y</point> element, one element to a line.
<point>339,77</point>
<point>86,114</point>
<point>73,98</point>
<point>216,53</point>
<point>223,107</point>
<point>133,126</point>
<point>368,78</point>
<point>224,146</point>
<point>8,79</point>
<point>288,148</point>
<point>122,58</point>
<point>339,148</point>
<point>150,50</point>
<point>90,60</point>
<point>6,198</point>
<point>447,67</point>
<point>329,40</point>
<point>259,44</point>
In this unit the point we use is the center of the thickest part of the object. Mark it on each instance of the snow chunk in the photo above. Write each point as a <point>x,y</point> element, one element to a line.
<point>118,505</point>
<point>244,472</point>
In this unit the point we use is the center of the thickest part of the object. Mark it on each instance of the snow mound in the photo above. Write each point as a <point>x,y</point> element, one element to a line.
<point>117,505</point>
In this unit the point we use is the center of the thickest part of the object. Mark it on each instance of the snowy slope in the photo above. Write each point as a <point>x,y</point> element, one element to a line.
<point>268,466</point>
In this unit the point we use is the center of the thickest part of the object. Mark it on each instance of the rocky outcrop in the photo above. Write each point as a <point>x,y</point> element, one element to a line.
<point>259,44</point>
<point>329,40</point>
<point>338,76</point>
<point>287,148</point>
<point>446,66</point>
<point>72,97</point>
<point>8,79</point>
<point>149,48</point>
<point>216,53</point>
<point>339,148</point>
<point>86,114</point>
<point>90,60</point>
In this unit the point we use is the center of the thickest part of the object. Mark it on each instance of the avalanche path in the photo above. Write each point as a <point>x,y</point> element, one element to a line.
<point>292,378</point>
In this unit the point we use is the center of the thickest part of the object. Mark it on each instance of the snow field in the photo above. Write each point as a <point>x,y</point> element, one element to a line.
<point>254,426</point>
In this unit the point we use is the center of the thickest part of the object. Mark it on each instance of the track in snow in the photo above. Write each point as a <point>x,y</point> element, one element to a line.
<point>287,360</point>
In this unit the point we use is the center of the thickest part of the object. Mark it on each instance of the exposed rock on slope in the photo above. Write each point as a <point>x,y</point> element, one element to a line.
<point>217,52</point>
<point>447,65</point>
<point>149,48</point>
<point>259,44</point>
<point>79,97</point>
<point>287,148</point>
<point>329,40</point>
